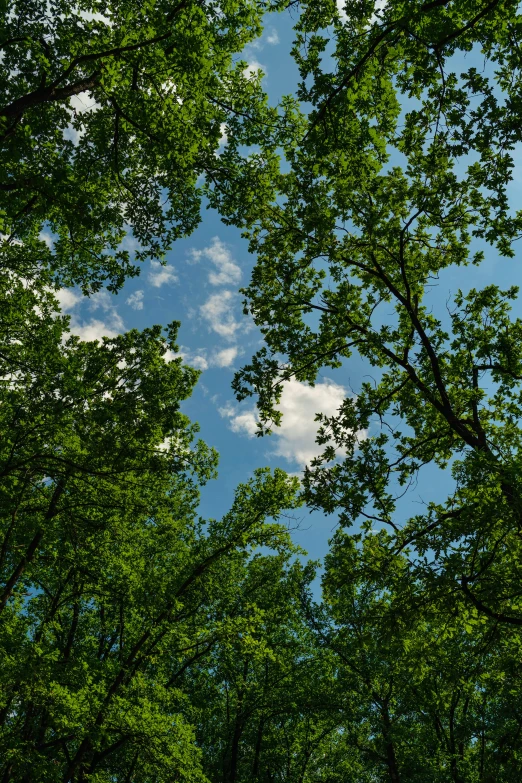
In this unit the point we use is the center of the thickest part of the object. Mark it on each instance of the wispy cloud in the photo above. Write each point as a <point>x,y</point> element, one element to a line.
<point>226,357</point>
<point>46,237</point>
<point>217,312</point>
<point>270,37</point>
<point>197,360</point>
<point>83,102</point>
<point>135,300</point>
<point>244,422</point>
<point>224,137</point>
<point>162,275</point>
<point>130,243</point>
<point>94,16</point>
<point>227,271</point>
<point>109,325</point>
<point>201,359</point>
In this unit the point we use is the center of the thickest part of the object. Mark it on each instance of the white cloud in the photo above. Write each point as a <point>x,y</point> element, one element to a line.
<point>73,134</point>
<point>341,11</point>
<point>217,311</point>
<point>272,37</point>
<point>299,404</point>
<point>226,357</point>
<point>83,102</point>
<point>223,138</point>
<point>170,355</point>
<point>92,330</point>
<point>168,88</point>
<point>252,70</point>
<point>202,361</point>
<point>90,16</point>
<point>198,361</point>
<point>295,438</point>
<point>164,445</point>
<point>228,272</point>
<point>135,300</point>
<point>379,6</point>
<point>160,275</point>
<point>68,298</point>
<point>46,237</point>
<point>79,104</point>
<point>96,328</point>
<point>242,422</point>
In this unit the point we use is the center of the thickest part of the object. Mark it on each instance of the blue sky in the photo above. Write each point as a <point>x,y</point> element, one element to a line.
<point>199,287</point>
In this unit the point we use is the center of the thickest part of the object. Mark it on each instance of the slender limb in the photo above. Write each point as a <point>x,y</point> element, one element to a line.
<point>33,546</point>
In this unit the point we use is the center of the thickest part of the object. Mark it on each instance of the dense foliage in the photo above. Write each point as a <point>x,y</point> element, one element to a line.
<point>112,585</point>
<point>111,111</point>
<point>141,643</point>
<point>403,174</point>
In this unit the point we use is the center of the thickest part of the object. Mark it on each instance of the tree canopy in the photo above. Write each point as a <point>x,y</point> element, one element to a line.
<point>111,583</point>
<point>374,210</point>
<point>403,172</point>
<point>111,112</point>
<point>141,642</point>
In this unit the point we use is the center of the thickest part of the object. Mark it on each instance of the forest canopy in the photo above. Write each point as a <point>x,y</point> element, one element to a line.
<point>141,642</point>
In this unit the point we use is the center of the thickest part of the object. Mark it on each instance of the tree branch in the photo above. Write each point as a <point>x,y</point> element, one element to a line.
<point>31,549</point>
<point>501,618</point>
